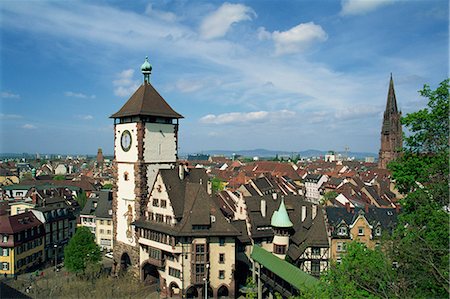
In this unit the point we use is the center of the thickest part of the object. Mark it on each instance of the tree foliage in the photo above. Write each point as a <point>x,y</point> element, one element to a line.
<point>421,240</point>
<point>81,199</point>
<point>82,251</point>
<point>59,177</point>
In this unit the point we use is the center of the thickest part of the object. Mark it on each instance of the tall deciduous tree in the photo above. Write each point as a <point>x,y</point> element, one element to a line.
<point>422,238</point>
<point>81,251</point>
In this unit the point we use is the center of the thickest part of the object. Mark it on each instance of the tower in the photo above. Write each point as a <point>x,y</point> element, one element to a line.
<point>281,225</point>
<point>100,158</point>
<point>145,140</point>
<point>391,130</point>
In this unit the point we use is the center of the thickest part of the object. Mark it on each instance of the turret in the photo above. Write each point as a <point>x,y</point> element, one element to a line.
<point>281,225</point>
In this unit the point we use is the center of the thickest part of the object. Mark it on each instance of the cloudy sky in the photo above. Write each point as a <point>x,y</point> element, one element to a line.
<point>280,75</point>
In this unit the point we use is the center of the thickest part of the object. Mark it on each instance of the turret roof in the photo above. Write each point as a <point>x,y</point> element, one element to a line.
<point>280,218</point>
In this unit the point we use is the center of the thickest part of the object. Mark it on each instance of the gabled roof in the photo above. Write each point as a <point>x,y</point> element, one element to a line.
<point>285,270</point>
<point>104,205</point>
<point>146,101</point>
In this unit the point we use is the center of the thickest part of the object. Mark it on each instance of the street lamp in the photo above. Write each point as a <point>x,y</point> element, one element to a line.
<point>56,257</point>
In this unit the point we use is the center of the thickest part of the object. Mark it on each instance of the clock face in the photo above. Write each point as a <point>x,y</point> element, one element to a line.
<point>125,140</point>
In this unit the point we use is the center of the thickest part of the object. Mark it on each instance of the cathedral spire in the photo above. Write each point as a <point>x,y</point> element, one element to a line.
<point>391,130</point>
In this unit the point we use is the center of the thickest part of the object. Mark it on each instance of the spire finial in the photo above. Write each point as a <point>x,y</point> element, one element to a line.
<point>146,69</point>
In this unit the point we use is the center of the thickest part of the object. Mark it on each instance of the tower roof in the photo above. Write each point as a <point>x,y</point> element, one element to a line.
<point>146,101</point>
<point>391,108</point>
<point>280,218</point>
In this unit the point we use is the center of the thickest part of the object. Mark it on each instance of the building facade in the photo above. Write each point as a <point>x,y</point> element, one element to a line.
<point>21,243</point>
<point>391,130</point>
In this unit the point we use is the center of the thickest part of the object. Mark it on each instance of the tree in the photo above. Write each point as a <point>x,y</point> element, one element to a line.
<point>362,273</point>
<point>107,186</point>
<point>81,199</point>
<point>421,240</point>
<point>59,177</point>
<point>82,251</point>
<point>217,184</point>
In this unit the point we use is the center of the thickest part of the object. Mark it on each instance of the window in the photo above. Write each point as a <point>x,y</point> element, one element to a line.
<point>222,258</point>
<point>222,241</point>
<point>102,231</point>
<point>378,231</point>
<point>125,176</point>
<point>279,249</point>
<point>102,222</point>
<point>315,268</point>
<point>109,222</point>
<point>5,252</point>
<point>108,231</point>
<point>5,238</point>
<point>315,250</point>
<point>200,248</point>
<point>174,272</point>
<point>342,231</point>
<point>222,274</point>
<point>360,231</point>
<point>163,203</point>
<point>5,266</point>
<point>155,202</point>
<point>341,246</point>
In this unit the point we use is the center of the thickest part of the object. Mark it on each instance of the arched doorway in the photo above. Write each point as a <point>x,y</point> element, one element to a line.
<point>222,292</point>
<point>125,262</point>
<point>192,292</point>
<point>150,274</point>
<point>241,272</point>
<point>210,292</point>
<point>174,290</point>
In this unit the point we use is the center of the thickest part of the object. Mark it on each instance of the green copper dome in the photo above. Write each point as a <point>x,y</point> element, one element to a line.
<point>146,66</point>
<point>280,218</point>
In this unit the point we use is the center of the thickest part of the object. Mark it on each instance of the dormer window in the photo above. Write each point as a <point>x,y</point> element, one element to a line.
<point>5,238</point>
<point>342,231</point>
<point>378,231</point>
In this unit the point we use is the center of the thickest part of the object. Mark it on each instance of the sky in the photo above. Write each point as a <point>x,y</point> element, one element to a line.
<point>278,75</point>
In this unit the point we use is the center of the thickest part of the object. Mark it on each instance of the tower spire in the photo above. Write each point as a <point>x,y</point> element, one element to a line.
<point>146,70</point>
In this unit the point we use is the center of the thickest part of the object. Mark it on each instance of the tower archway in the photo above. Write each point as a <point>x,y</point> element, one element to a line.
<point>125,262</point>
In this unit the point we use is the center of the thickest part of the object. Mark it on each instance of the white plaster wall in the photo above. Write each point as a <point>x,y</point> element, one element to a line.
<point>160,143</point>
<point>132,154</point>
<point>125,197</point>
<point>152,172</point>
<point>230,261</point>
<point>159,192</point>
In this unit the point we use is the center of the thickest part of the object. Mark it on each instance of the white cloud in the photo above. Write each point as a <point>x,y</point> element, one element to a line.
<point>219,22</point>
<point>9,116</point>
<point>356,112</point>
<point>298,38</point>
<point>160,14</point>
<point>359,7</point>
<point>242,117</point>
<point>28,126</point>
<point>9,95</point>
<point>263,34</point>
<point>78,95</point>
<point>187,86</point>
<point>125,85</point>
<point>84,117</point>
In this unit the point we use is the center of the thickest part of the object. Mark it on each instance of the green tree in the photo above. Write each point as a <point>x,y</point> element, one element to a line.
<point>250,287</point>
<point>59,177</point>
<point>421,240</point>
<point>107,186</point>
<point>362,273</point>
<point>82,252</point>
<point>81,199</point>
<point>216,184</point>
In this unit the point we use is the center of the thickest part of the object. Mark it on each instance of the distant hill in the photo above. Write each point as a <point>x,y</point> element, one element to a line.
<point>264,153</point>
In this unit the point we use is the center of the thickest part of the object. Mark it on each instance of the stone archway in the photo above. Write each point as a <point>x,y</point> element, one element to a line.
<point>174,290</point>
<point>222,292</point>
<point>125,262</point>
<point>192,292</point>
<point>149,274</point>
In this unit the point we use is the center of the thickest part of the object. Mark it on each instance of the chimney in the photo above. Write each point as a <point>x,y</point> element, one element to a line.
<point>303,213</point>
<point>209,188</point>
<point>263,207</point>
<point>274,196</point>
<point>314,211</point>
<point>347,206</point>
<point>181,171</point>
<point>366,208</point>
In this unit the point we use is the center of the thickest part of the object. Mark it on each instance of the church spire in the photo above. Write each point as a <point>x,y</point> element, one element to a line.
<point>391,130</point>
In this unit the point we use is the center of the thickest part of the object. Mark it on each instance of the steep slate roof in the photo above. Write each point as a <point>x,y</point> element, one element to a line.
<point>89,207</point>
<point>146,101</point>
<point>104,205</point>
<point>387,218</point>
<point>288,272</point>
<point>391,108</point>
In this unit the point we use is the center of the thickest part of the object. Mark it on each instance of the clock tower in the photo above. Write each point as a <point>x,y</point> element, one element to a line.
<point>145,140</point>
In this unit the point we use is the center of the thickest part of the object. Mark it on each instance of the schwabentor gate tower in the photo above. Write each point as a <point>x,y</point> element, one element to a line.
<point>145,141</point>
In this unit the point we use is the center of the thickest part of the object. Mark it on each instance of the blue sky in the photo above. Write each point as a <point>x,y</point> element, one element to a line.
<point>280,75</point>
